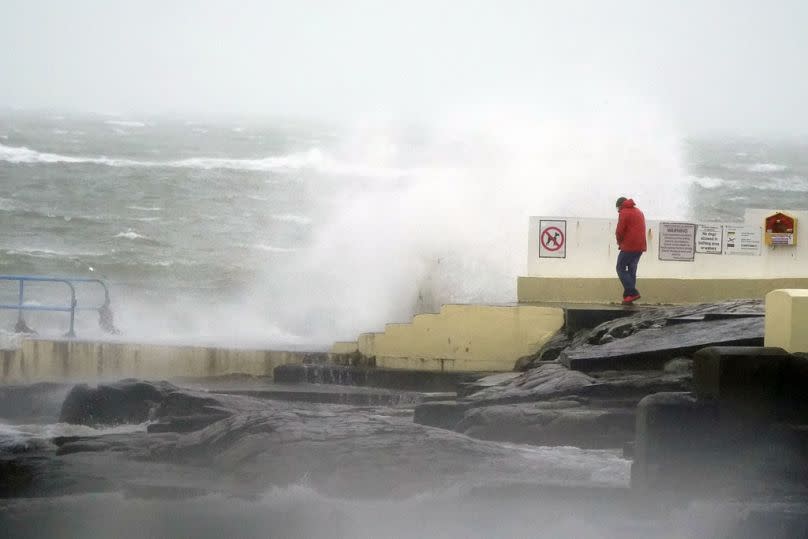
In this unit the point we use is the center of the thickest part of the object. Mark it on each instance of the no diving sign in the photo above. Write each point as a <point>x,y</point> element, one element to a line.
<point>552,239</point>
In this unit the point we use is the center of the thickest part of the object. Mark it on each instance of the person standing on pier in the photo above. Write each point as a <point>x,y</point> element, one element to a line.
<point>630,234</point>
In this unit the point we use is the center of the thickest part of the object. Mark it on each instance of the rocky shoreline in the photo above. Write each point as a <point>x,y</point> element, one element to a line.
<point>618,389</point>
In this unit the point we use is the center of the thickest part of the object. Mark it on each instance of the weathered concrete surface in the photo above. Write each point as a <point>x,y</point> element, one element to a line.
<point>376,377</point>
<point>684,446</point>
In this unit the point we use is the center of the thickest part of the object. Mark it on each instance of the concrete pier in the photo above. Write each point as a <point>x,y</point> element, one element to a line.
<point>40,360</point>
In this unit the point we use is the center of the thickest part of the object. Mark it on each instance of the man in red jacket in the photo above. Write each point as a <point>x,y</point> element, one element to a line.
<point>630,235</point>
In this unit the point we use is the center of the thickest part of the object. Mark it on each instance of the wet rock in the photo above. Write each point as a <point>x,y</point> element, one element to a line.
<point>652,336</point>
<point>443,414</point>
<point>652,347</point>
<point>127,401</point>
<point>545,381</point>
<point>550,423</point>
<point>83,446</point>
<point>548,352</point>
<point>499,379</point>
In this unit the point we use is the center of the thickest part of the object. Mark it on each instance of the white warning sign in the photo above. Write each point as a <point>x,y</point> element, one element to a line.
<point>552,239</point>
<point>743,240</point>
<point>677,241</point>
<point>710,239</point>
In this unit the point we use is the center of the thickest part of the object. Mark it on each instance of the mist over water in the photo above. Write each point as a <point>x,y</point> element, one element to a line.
<point>294,234</point>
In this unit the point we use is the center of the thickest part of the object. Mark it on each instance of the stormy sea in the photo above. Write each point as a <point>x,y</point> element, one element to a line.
<point>291,233</point>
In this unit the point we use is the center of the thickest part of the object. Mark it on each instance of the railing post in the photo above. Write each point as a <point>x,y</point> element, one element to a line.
<point>72,333</point>
<point>19,311</point>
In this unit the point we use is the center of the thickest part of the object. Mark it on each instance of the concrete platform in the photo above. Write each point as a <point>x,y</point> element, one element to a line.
<point>654,290</point>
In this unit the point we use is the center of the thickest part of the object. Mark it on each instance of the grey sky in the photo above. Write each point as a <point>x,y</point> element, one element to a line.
<point>711,65</point>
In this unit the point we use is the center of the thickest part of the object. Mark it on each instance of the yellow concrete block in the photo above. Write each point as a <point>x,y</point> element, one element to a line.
<point>787,319</point>
<point>366,344</point>
<point>344,347</point>
<point>467,337</point>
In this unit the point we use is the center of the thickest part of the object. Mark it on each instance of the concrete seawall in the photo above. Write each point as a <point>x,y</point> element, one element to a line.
<point>39,360</point>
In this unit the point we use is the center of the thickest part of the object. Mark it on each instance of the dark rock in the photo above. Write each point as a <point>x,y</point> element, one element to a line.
<point>550,423</point>
<point>548,352</point>
<point>545,381</point>
<point>499,379</point>
<point>651,347</point>
<point>127,401</point>
<point>632,386</point>
<point>83,446</point>
<point>188,423</point>
<point>584,318</point>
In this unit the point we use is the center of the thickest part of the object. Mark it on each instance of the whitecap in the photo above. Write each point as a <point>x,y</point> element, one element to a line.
<point>7,204</point>
<point>792,184</point>
<point>272,248</point>
<point>49,253</point>
<point>756,167</point>
<point>766,167</point>
<point>125,123</point>
<point>131,235</point>
<point>144,219</point>
<point>145,208</point>
<point>12,436</point>
<point>311,159</point>
<point>708,182</point>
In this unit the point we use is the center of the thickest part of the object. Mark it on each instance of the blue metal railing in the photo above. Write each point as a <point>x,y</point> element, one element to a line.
<point>20,306</point>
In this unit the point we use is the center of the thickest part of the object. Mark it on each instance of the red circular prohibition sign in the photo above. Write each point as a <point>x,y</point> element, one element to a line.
<point>552,238</point>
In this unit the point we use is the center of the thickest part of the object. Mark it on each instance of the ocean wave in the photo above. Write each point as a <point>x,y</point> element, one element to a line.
<point>7,204</point>
<point>145,208</point>
<point>125,123</point>
<point>272,248</point>
<point>708,182</point>
<point>131,235</point>
<point>310,159</point>
<point>792,184</point>
<point>36,252</point>
<point>135,236</point>
<point>756,167</point>
<point>292,218</point>
<point>144,219</point>
<point>18,436</point>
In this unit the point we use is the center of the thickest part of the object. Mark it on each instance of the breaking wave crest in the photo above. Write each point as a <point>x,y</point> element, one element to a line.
<point>313,158</point>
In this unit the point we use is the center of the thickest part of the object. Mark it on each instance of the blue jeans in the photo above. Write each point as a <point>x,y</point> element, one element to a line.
<point>627,271</point>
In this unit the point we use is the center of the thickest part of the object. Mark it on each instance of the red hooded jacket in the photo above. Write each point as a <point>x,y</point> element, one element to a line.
<point>630,230</point>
